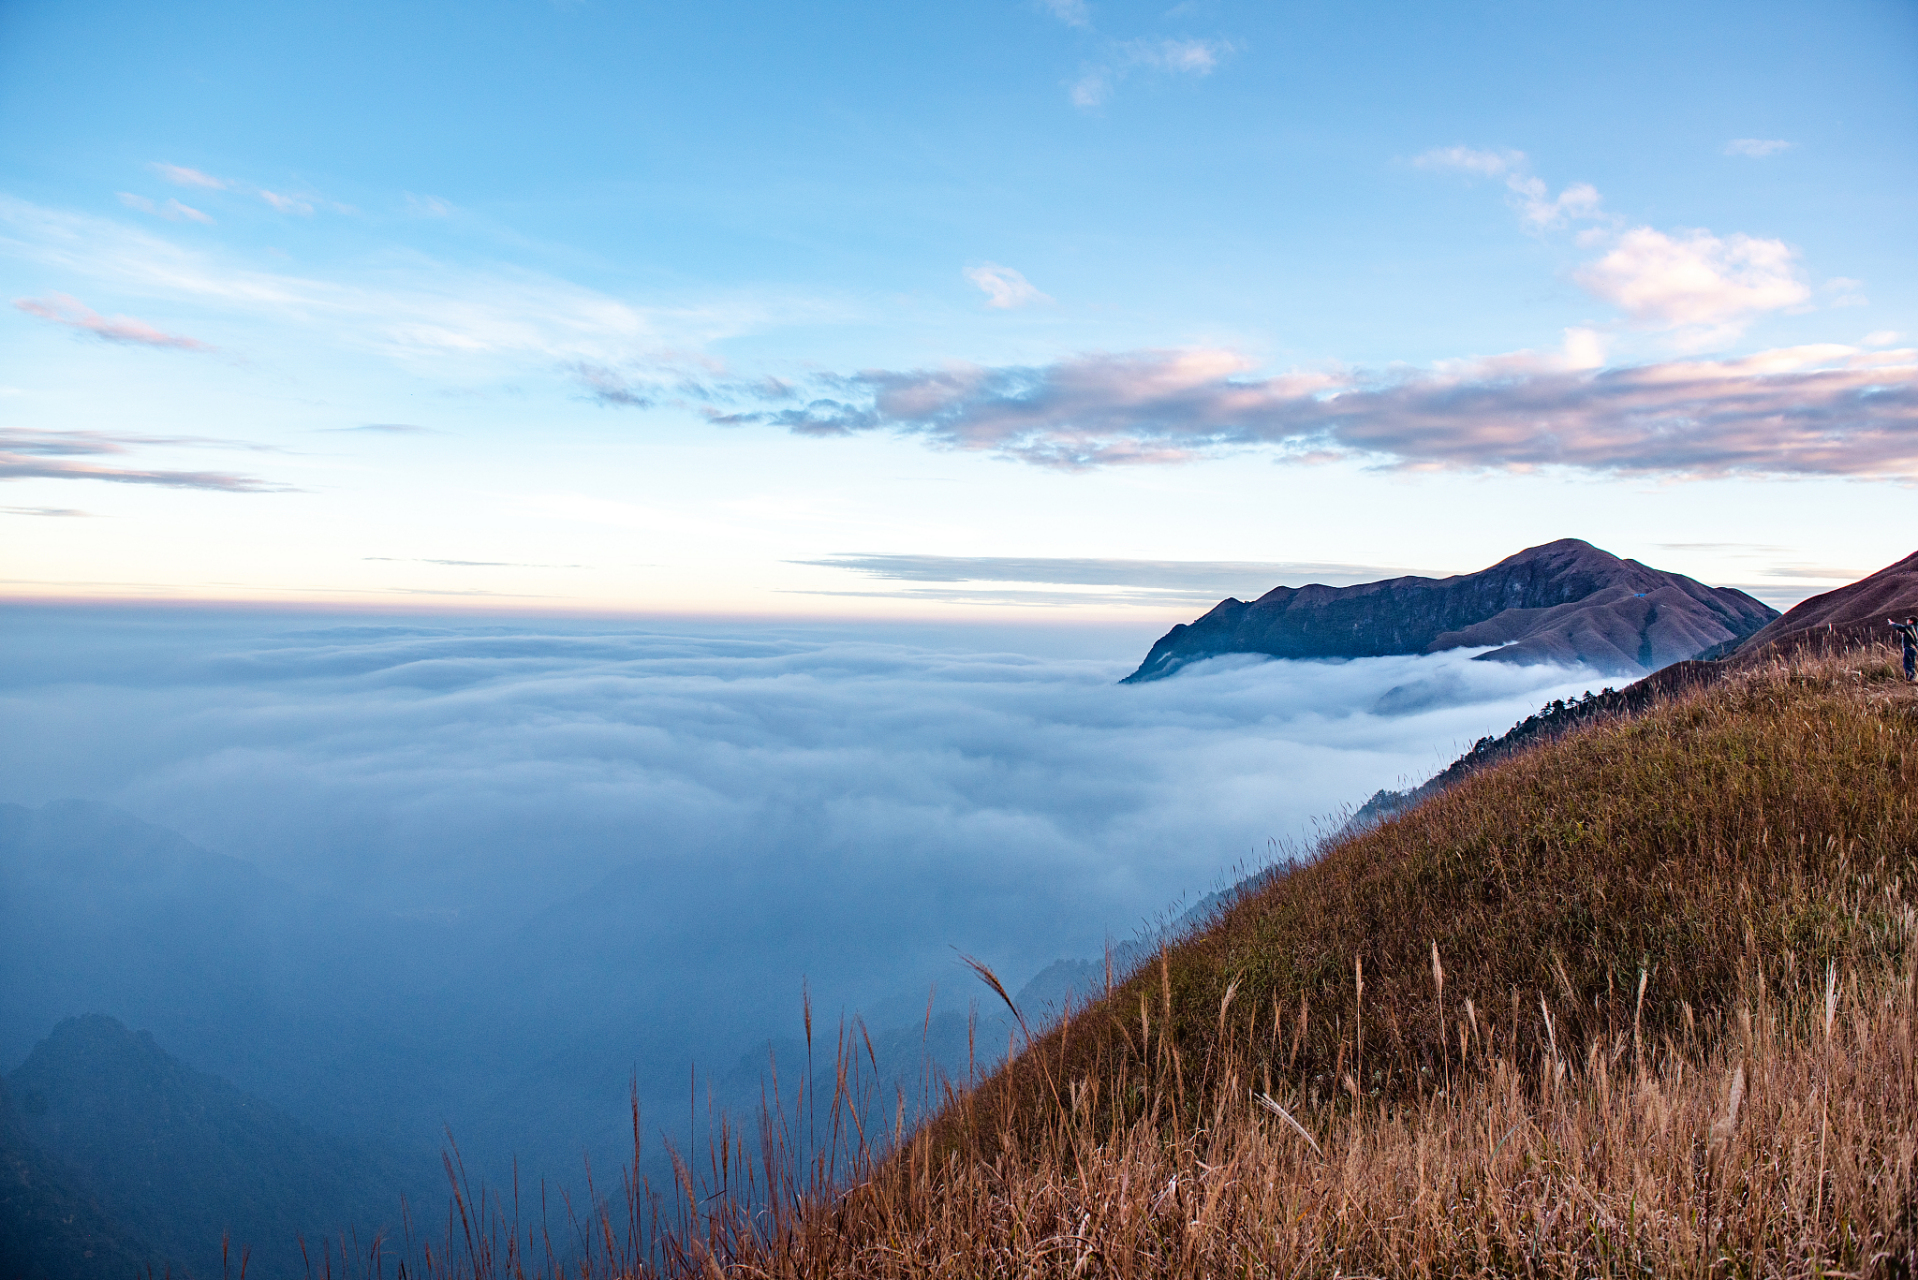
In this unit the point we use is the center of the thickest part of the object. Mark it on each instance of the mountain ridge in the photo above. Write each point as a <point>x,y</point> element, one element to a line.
<point>1565,601</point>
<point>180,1158</point>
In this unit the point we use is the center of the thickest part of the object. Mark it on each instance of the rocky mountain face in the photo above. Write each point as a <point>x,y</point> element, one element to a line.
<point>1566,602</point>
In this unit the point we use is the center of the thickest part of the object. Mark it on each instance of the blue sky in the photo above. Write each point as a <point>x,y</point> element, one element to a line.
<point>739,309</point>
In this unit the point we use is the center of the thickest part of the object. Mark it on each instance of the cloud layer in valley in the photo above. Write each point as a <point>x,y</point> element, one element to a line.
<point>648,840</point>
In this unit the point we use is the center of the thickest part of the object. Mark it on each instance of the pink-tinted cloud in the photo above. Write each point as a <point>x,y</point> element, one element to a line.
<point>1695,278</point>
<point>48,455</point>
<point>1004,287</point>
<point>61,309</point>
<point>1826,411</point>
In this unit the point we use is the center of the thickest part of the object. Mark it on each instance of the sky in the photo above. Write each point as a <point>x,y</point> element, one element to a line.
<point>1039,310</point>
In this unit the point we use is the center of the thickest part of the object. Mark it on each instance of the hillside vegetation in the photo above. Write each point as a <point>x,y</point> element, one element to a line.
<point>1637,1001</point>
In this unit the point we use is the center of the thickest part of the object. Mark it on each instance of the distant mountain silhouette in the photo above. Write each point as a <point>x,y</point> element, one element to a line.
<point>51,1227</point>
<point>1566,601</point>
<point>180,1158</point>
<point>1853,612</point>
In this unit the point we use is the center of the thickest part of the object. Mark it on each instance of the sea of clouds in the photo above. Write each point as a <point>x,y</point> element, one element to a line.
<point>635,842</point>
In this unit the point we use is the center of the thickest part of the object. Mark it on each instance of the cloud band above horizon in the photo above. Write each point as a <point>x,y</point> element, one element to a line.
<point>1825,410</point>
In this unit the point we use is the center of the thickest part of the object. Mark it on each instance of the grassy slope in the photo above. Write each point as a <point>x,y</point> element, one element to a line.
<point>1741,846</point>
<point>1243,1107</point>
<point>1771,819</point>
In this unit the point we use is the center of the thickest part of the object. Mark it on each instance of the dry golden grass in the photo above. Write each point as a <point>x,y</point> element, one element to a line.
<point>1638,1002</point>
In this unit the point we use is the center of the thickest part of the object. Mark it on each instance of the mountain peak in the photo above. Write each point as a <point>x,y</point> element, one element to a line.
<point>1565,601</point>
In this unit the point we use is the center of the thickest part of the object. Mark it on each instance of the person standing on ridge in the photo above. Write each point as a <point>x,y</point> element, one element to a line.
<point>1908,632</point>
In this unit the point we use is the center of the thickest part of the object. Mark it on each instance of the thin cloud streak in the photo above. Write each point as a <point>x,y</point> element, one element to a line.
<point>172,210</point>
<point>74,314</point>
<point>429,312</point>
<point>181,176</point>
<point>17,467</point>
<point>1809,411</point>
<point>40,455</point>
<point>1211,577</point>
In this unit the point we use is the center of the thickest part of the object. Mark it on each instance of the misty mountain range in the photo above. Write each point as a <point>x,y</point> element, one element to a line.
<point>172,1163</point>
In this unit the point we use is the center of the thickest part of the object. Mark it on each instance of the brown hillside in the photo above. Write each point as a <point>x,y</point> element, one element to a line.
<point>1641,1000</point>
<point>1297,1092</point>
<point>1854,612</point>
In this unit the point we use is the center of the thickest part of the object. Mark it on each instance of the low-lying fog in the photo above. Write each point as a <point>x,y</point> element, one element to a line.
<point>488,873</point>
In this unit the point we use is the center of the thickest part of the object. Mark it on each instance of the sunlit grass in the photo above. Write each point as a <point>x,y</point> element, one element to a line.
<point>1637,1002</point>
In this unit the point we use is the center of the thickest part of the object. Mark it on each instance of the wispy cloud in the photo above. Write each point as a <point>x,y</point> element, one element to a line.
<point>1842,291</point>
<point>57,512</point>
<point>27,454</point>
<point>428,206</point>
<point>1702,288</point>
<point>424,311</point>
<point>1537,207</point>
<point>1823,410</point>
<point>303,205</point>
<point>1485,163</point>
<point>1073,13</point>
<point>1004,287</point>
<point>287,204</point>
<point>71,312</point>
<point>181,176</point>
<point>171,210</point>
<point>612,388</point>
<point>1756,148</point>
<point>1097,81</point>
<point>387,429</point>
